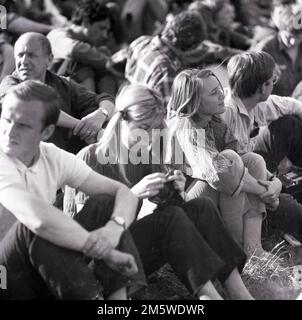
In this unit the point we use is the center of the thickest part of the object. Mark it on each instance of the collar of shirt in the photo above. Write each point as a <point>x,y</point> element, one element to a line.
<point>232,100</point>
<point>23,169</point>
<point>244,121</point>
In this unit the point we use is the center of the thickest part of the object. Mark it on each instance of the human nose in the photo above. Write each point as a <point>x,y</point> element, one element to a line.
<point>10,129</point>
<point>221,94</point>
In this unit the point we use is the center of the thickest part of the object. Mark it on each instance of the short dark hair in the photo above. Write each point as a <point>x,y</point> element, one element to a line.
<point>90,11</point>
<point>248,71</point>
<point>186,30</point>
<point>30,90</point>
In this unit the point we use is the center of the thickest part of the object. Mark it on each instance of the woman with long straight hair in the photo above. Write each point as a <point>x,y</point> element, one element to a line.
<point>231,181</point>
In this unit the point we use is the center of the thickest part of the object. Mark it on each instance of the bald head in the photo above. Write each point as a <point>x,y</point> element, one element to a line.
<point>33,55</point>
<point>38,38</point>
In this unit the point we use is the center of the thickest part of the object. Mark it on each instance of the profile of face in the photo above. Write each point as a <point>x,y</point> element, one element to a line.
<point>31,60</point>
<point>226,16</point>
<point>212,97</point>
<point>97,33</point>
<point>268,86</point>
<point>21,128</point>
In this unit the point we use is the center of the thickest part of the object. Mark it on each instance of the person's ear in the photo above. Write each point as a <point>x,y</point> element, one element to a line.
<point>262,89</point>
<point>50,59</point>
<point>48,132</point>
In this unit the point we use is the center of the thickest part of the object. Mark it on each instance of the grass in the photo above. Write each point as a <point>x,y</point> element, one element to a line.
<point>277,276</point>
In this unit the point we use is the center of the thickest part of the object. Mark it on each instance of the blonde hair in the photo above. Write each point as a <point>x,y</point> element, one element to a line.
<point>186,94</point>
<point>134,103</point>
<point>184,103</point>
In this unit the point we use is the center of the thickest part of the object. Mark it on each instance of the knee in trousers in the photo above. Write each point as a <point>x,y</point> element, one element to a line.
<point>231,155</point>
<point>255,160</point>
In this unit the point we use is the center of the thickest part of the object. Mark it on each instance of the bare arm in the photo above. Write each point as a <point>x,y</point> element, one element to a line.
<point>8,60</point>
<point>125,206</point>
<point>21,25</point>
<point>67,121</point>
<point>43,219</point>
<point>89,126</point>
<point>125,200</point>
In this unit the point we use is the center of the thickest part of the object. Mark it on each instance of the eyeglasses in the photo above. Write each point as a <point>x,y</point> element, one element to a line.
<point>255,130</point>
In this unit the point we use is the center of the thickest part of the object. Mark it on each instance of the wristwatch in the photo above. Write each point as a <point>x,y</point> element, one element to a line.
<point>119,221</point>
<point>105,112</point>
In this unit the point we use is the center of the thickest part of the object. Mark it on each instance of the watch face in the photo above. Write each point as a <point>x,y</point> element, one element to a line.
<point>105,112</point>
<point>120,221</point>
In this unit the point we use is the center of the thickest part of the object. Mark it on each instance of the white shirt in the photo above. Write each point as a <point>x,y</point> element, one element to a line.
<point>241,121</point>
<point>54,169</point>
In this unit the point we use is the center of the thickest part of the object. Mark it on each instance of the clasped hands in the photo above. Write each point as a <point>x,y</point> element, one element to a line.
<point>271,196</point>
<point>101,245</point>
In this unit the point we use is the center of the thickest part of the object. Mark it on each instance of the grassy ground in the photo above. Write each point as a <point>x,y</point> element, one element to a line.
<point>276,277</point>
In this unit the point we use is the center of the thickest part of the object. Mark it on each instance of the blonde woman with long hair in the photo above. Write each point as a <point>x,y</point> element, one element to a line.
<point>231,181</point>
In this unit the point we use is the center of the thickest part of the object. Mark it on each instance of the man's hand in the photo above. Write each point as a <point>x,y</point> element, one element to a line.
<point>123,263</point>
<point>97,247</point>
<point>273,206</point>
<point>89,126</point>
<point>273,190</point>
<point>101,241</point>
<point>149,186</point>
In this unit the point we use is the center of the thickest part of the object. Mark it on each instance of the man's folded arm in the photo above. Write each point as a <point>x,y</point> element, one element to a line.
<point>43,219</point>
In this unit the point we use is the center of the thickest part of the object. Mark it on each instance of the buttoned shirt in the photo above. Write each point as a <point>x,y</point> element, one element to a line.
<point>242,122</point>
<point>151,62</point>
<point>155,63</point>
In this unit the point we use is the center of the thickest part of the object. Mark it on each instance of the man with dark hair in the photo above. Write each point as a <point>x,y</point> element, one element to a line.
<point>250,105</point>
<point>83,47</point>
<point>86,111</point>
<point>44,251</point>
<point>155,61</point>
<point>267,124</point>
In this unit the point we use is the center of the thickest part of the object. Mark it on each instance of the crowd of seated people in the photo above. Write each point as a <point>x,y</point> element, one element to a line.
<point>183,110</point>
